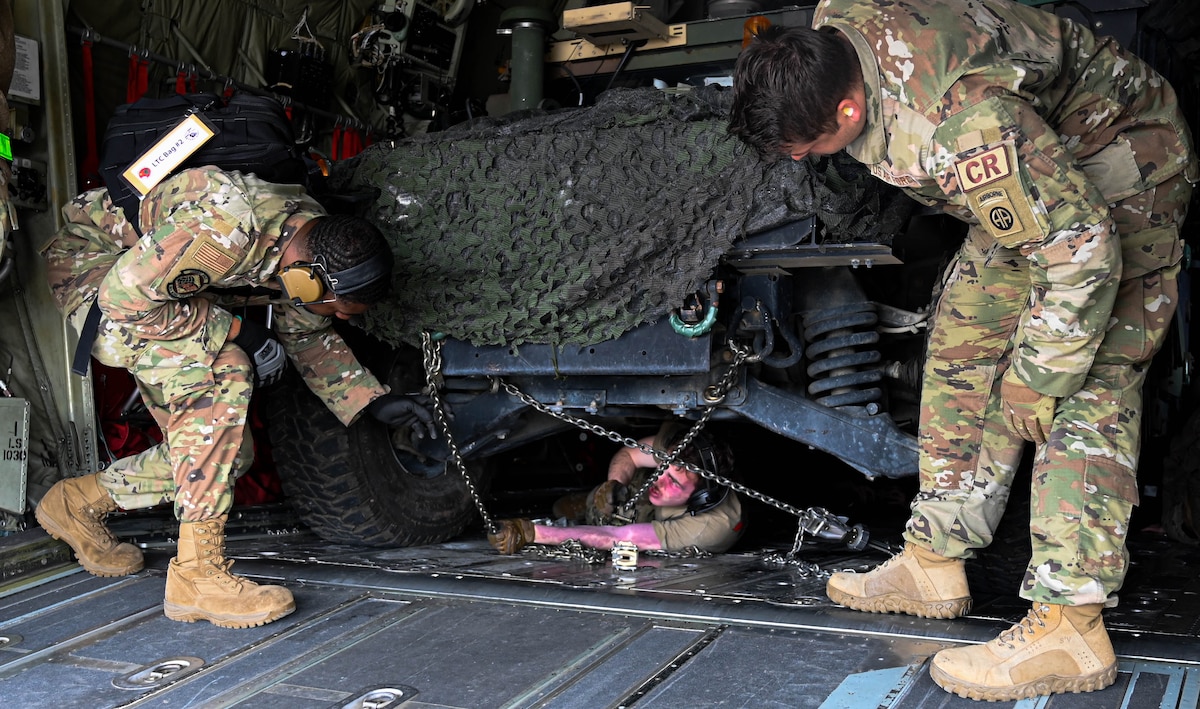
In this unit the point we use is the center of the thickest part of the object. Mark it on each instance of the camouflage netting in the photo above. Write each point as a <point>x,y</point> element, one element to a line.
<point>574,226</point>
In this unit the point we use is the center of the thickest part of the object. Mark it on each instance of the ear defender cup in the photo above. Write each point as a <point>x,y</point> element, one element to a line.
<point>707,494</point>
<point>307,283</point>
<point>301,284</point>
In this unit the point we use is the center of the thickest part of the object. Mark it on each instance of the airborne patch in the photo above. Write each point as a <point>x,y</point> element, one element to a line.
<point>997,197</point>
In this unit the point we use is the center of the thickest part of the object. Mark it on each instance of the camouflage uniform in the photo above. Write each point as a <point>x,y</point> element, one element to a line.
<point>206,229</point>
<point>1071,163</point>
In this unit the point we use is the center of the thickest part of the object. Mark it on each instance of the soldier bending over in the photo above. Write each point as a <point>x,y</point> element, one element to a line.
<point>161,313</point>
<point>1070,160</point>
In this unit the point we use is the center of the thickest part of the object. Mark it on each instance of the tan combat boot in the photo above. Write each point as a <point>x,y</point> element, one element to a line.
<point>200,587</point>
<point>1054,649</point>
<point>73,511</point>
<point>915,581</point>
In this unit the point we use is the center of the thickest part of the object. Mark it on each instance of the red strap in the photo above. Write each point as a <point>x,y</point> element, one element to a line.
<point>89,169</point>
<point>180,82</point>
<point>138,81</point>
<point>346,143</point>
<point>354,146</point>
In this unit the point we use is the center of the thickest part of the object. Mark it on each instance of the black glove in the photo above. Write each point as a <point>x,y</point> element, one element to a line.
<point>264,350</point>
<point>397,410</point>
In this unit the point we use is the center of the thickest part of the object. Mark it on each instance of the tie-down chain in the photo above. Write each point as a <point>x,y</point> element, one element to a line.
<point>813,521</point>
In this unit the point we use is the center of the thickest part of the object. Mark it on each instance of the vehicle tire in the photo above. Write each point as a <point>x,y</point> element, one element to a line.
<point>348,484</point>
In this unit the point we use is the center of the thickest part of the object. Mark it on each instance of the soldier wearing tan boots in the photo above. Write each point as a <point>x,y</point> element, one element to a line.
<point>1070,161</point>
<point>161,306</point>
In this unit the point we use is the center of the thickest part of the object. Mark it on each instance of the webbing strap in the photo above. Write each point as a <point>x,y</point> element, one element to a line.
<point>186,82</point>
<point>87,337</point>
<point>89,168</point>
<point>351,143</point>
<point>138,80</point>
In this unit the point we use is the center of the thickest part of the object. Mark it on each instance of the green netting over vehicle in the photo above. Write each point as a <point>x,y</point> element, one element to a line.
<point>574,226</point>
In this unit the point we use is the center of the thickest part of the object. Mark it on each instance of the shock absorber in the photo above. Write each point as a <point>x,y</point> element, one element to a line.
<point>844,367</point>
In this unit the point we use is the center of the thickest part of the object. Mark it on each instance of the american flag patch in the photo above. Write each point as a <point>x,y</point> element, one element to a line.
<point>213,259</point>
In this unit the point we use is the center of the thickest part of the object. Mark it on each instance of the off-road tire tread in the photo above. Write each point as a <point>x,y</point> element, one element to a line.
<point>345,484</point>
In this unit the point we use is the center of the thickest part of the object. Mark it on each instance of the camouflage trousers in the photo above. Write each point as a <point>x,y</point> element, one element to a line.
<point>1084,484</point>
<point>202,411</point>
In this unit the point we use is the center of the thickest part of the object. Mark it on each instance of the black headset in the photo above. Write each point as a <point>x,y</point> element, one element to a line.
<point>708,493</point>
<point>306,283</point>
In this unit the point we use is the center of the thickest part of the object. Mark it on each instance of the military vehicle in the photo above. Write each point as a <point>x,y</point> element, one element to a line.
<point>804,318</point>
<point>792,296</point>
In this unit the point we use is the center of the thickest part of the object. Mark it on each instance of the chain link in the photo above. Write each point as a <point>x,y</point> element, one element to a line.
<point>662,456</point>
<point>807,569</point>
<point>574,549</point>
<point>432,360</point>
<point>431,353</point>
<point>567,550</point>
<point>720,391</point>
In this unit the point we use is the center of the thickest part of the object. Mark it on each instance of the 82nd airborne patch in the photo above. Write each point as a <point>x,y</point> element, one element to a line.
<point>996,196</point>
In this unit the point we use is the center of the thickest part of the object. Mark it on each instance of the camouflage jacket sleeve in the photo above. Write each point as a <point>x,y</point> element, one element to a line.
<point>93,235</point>
<point>999,160</point>
<point>326,362</point>
<point>151,289</point>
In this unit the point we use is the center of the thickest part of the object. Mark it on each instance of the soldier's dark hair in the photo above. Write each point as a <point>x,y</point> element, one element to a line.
<point>699,452</point>
<point>342,241</point>
<point>787,84</point>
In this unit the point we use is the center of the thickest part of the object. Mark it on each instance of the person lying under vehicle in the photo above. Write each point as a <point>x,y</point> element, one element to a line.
<point>681,510</point>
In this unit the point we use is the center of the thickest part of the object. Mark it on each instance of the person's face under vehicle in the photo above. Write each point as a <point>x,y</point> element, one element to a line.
<point>673,488</point>
<point>337,308</point>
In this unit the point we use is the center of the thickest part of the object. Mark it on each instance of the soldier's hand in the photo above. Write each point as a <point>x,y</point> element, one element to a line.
<point>1028,413</point>
<point>264,349</point>
<point>511,535</point>
<point>398,410</point>
<point>604,500</point>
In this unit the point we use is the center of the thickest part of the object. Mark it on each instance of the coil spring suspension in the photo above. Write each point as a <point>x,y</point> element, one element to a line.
<point>844,369</point>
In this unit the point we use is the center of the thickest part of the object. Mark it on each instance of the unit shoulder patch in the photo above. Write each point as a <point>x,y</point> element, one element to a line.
<point>995,194</point>
<point>187,283</point>
<point>983,169</point>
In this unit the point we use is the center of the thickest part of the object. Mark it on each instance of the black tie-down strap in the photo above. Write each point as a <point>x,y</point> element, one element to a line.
<point>87,337</point>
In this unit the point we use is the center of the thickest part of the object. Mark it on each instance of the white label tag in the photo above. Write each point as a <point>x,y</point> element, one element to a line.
<point>27,71</point>
<point>14,460</point>
<point>152,166</point>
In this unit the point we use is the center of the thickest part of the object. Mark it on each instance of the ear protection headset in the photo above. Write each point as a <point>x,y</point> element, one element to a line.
<point>708,494</point>
<point>310,283</point>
